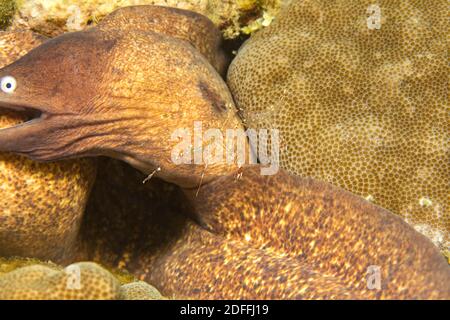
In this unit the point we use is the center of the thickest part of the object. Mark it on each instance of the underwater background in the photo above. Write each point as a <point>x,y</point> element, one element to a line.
<point>362,108</point>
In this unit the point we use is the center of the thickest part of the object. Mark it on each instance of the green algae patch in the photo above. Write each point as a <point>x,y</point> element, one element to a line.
<point>7,10</point>
<point>123,276</point>
<point>123,284</point>
<point>13,263</point>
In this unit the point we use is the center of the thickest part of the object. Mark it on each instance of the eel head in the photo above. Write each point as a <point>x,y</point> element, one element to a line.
<point>55,86</point>
<point>122,94</point>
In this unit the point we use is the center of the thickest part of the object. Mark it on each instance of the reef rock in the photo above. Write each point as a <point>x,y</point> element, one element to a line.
<point>359,93</point>
<point>58,16</point>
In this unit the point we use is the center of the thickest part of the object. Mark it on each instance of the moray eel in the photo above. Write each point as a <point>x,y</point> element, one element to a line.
<point>121,92</point>
<point>35,195</point>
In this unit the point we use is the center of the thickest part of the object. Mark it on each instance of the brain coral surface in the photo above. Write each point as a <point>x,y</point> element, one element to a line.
<point>82,281</point>
<point>26,279</point>
<point>359,94</point>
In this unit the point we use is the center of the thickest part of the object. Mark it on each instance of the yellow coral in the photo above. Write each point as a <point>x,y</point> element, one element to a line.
<point>264,21</point>
<point>246,4</point>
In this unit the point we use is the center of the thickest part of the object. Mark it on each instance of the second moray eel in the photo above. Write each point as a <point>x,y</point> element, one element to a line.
<point>122,92</point>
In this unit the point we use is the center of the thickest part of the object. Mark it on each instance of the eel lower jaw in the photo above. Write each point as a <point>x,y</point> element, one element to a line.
<point>27,113</point>
<point>21,137</point>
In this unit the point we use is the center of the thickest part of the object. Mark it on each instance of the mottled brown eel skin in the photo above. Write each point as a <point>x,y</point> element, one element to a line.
<point>120,91</point>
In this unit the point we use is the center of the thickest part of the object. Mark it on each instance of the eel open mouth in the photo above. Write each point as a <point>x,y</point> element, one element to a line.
<point>20,115</point>
<point>21,127</point>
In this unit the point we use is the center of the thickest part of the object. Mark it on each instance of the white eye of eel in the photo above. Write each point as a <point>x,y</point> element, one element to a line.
<point>8,84</point>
